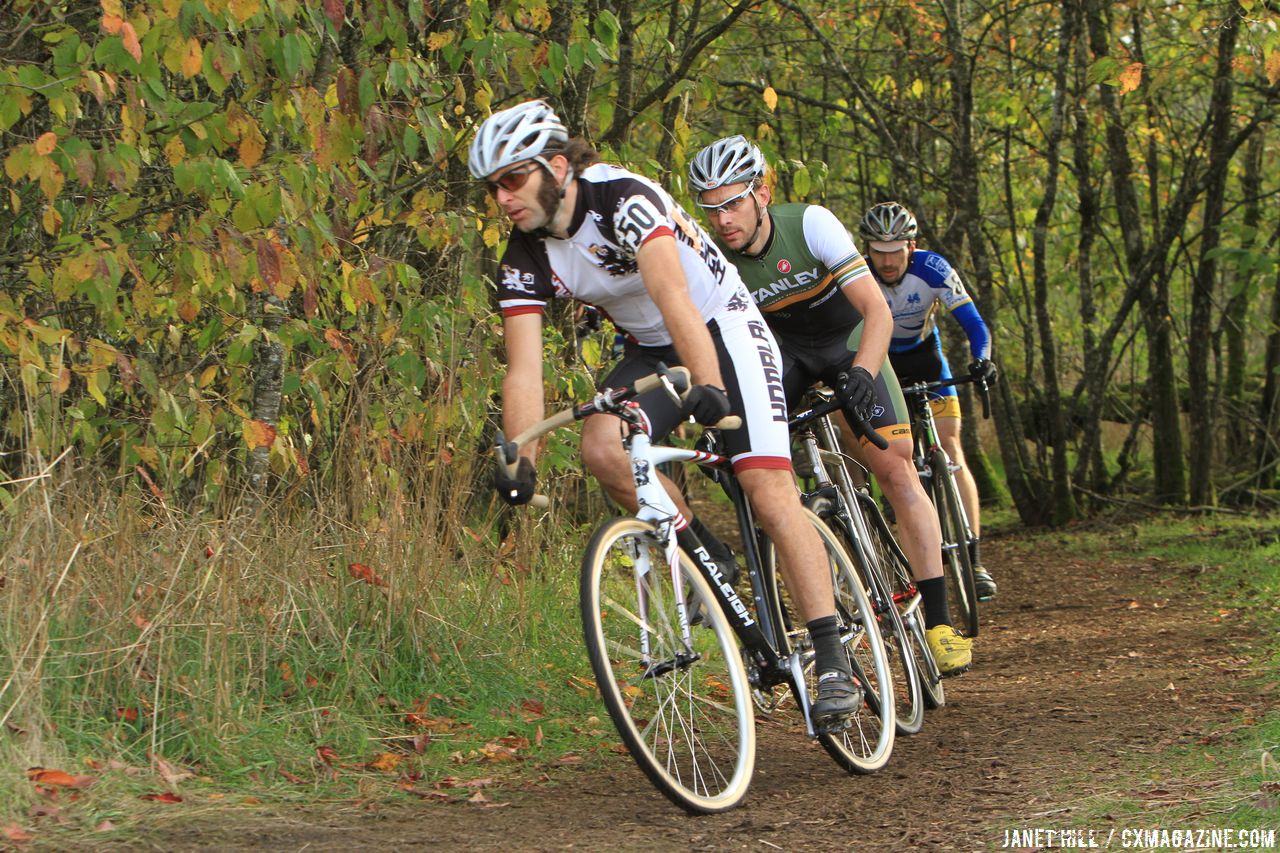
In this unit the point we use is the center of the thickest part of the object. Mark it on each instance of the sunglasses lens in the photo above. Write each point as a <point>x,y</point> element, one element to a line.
<point>727,204</point>
<point>511,181</point>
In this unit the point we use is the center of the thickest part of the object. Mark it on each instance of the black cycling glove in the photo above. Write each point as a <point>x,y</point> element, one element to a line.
<point>707,404</point>
<point>983,369</point>
<point>858,392</point>
<point>516,490</point>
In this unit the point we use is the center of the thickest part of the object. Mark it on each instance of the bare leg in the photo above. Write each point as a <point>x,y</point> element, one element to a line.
<point>920,534</point>
<point>606,459</point>
<point>801,556</point>
<point>949,435</point>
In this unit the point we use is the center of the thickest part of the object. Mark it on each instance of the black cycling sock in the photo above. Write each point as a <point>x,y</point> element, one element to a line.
<point>933,593</point>
<point>828,654</point>
<point>973,552</point>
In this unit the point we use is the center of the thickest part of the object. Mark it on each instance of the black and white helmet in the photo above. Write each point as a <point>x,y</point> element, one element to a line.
<point>515,134</point>
<point>888,222</point>
<point>732,160</point>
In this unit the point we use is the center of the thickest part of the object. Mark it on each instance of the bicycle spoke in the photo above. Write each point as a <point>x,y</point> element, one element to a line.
<point>678,695</point>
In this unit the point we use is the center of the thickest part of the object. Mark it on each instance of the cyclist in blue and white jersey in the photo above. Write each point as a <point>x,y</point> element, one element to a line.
<point>614,239</point>
<point>917,284</point>
<point>815,290</point>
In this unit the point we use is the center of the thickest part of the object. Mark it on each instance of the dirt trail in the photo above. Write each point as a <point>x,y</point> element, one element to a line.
<point>1083,666</point>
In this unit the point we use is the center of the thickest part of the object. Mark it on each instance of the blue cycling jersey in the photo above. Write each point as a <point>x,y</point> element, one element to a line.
<point>929,282</point>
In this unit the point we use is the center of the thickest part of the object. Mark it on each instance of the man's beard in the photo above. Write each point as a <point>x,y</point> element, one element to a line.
<point>548,199</point>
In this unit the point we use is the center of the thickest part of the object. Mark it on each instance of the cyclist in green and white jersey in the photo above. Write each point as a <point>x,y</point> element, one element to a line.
<point>828,316</point>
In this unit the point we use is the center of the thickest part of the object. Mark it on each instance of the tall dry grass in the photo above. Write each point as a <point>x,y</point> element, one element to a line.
<point>241,641</point>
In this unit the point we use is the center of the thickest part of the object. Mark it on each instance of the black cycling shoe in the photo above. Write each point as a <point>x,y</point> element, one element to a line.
<point>983,584</point>
<point>839,695</point>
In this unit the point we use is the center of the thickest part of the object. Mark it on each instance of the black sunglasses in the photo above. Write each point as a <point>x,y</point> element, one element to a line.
<point>513,180</point>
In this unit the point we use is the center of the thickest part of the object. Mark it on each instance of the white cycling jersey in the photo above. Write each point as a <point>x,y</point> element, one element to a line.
<point>617,212</point>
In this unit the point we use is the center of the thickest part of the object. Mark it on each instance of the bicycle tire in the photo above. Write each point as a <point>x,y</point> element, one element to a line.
<point>906,595</point>
<point>865,746</point>
<point>903,660</point>
<point>957,564</point>
<point>687,719</point>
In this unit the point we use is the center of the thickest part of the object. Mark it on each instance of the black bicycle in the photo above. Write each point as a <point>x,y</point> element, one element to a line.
<point>846,504</point>
<point>680,658</point>
<point>937,474</point>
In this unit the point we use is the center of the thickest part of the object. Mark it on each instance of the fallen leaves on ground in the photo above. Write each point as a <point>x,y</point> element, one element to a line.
<point>166,797</point>
<point>60,778</point>
<point>170,774</point>
<point>13,832</point>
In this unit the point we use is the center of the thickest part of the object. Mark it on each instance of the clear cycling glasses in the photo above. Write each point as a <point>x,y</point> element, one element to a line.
<point>730,204</point>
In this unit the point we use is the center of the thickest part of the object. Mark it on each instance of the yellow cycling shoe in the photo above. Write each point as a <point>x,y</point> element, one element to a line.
<point>952,652</point>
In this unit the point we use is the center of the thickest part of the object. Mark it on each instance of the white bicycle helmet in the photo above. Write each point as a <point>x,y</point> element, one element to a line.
<point>732,160</point>
<point>515,134</point>
<point>888,222</point>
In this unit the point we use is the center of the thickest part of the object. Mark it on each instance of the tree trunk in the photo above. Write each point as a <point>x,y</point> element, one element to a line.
<point>268,379</point>
<point>1269,408</point>
<point>1166,413</point>
<point>1235,324</point>
<point>966,228</point>
<point>1200,408</point>
<point>1063,506</point>
<point>573,94</point>
<point>1090,465</point>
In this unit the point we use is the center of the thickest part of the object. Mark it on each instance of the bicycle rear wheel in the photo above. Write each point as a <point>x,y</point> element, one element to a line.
<point>865,746</point>
<point>957,564</point>
<point>907,598</point>
<point>678,695</point>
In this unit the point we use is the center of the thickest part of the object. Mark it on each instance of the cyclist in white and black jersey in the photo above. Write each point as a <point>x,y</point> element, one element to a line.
<point>916,283</point>
<point>616,240</point>
<point>804,271</point>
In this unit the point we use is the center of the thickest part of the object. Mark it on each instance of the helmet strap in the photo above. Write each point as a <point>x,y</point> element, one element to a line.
<point>761,213</point>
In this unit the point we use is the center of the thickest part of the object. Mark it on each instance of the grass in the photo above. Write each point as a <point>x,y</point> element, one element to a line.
<point>277,654</point>
<point>304,654</point>
<point>1236,781</point>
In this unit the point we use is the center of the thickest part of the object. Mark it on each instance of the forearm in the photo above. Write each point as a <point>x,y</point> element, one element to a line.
<point>975,328</point>
<point>522,404</point>
<point>693,343</point>
<point>877,323</point>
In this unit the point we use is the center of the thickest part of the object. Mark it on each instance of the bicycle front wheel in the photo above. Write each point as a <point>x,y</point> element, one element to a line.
<point>678,694</point>
<point>957,564</point>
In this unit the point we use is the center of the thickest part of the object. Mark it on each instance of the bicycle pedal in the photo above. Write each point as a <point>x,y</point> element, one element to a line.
<point>834,726</point>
